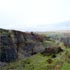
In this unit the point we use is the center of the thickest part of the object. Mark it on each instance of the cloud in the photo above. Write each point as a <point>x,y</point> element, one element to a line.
<point>34,15</point>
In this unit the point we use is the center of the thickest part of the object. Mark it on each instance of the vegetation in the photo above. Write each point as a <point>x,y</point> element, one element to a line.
<point>58,58</point>
<point>40,62</point>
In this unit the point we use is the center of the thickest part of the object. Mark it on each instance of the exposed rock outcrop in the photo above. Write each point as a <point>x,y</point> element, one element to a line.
<point>14,43</point>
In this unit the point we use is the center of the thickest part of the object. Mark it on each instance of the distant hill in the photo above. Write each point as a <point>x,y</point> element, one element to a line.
<point>54,32</point>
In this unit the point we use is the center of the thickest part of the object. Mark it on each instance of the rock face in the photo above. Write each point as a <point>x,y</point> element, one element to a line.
<point>13,43</point>
<point>8,54</point>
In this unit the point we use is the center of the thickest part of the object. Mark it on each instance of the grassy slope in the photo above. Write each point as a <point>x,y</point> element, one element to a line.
<point>39,62</point>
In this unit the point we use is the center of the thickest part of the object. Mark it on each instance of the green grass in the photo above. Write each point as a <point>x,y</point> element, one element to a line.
<point>36,62</point>
<point>66,66</point>
<point>39,62</point>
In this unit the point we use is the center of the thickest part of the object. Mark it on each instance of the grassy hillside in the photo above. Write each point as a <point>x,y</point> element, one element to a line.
<point>44,53</point>
<point>40,62</point>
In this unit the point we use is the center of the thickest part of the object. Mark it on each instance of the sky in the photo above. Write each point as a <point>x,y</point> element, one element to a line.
<point>35,15</point>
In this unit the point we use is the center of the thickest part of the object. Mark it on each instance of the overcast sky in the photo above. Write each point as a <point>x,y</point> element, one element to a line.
<point>35,15</point>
